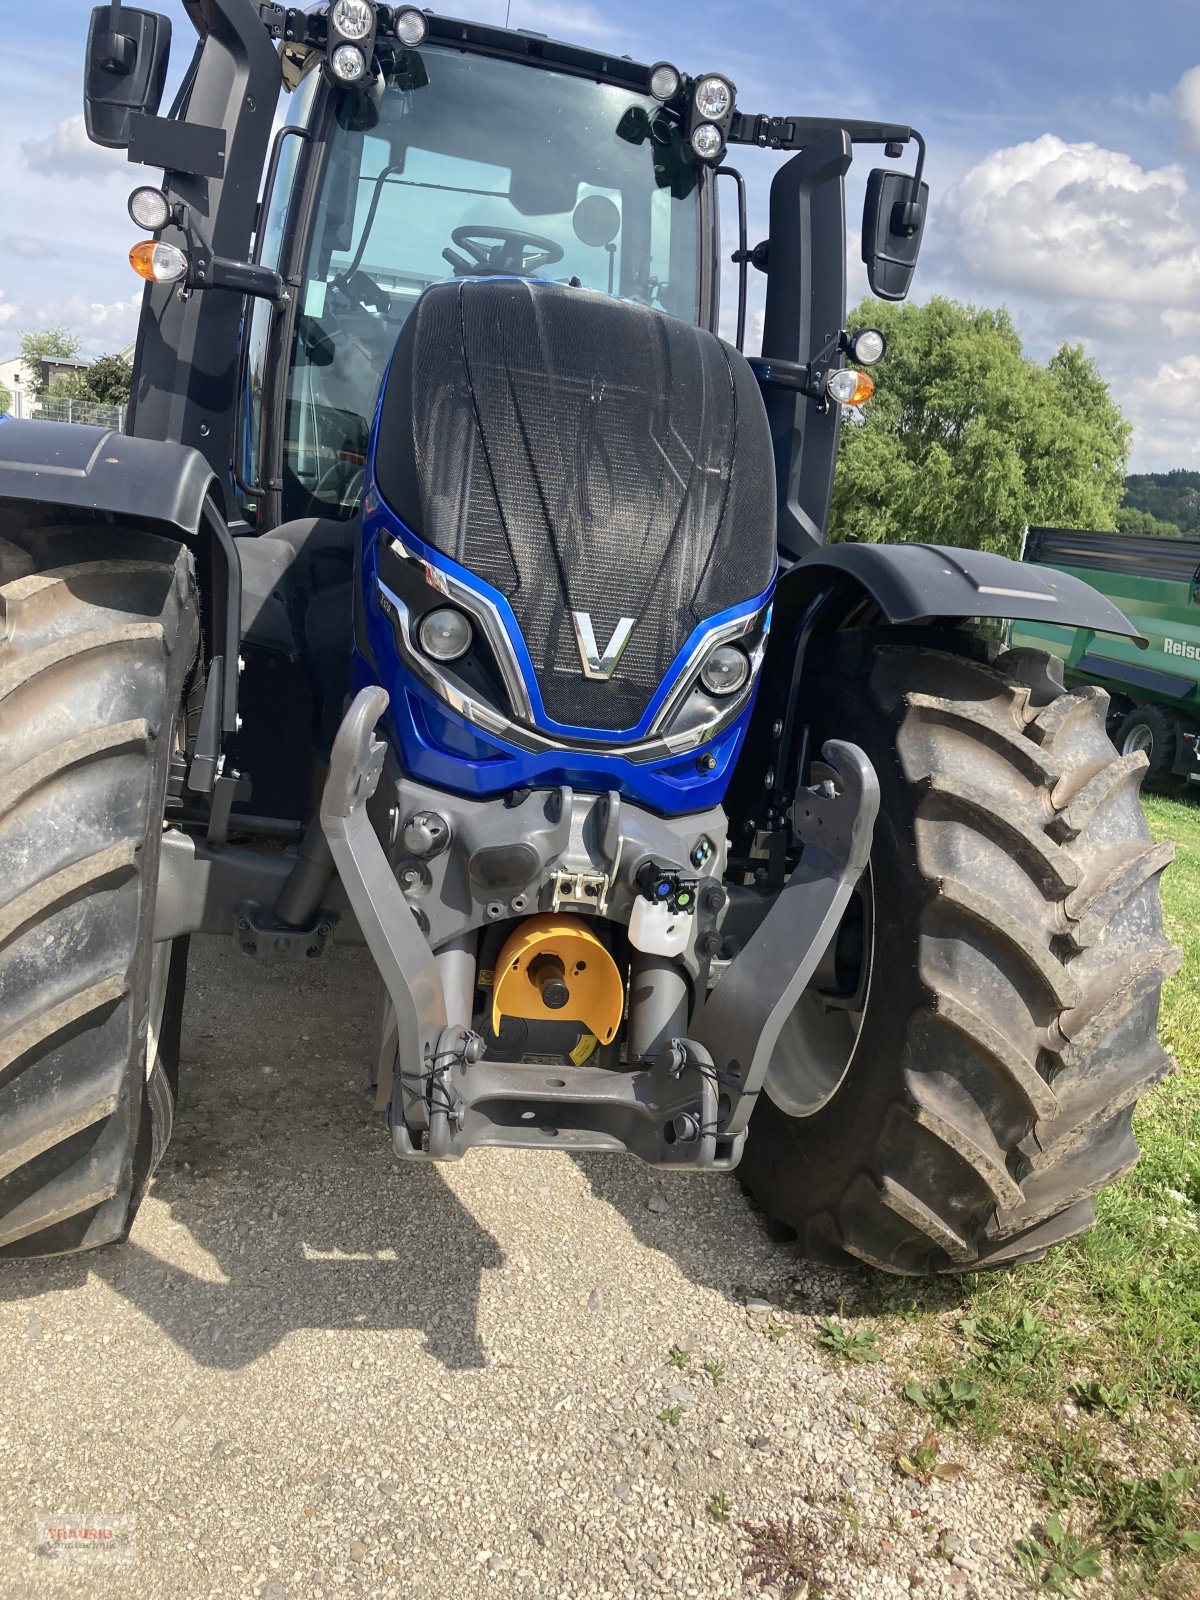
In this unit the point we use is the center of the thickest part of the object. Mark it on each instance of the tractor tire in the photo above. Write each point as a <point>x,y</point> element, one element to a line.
<point>1016,956</point>
<point>1155,732</point>
<point>98,636</point>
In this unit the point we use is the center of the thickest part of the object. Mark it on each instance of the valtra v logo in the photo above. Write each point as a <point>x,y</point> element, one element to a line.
<point>596,665</point>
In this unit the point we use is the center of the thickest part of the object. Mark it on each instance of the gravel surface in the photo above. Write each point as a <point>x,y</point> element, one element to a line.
<point>314,1370</point>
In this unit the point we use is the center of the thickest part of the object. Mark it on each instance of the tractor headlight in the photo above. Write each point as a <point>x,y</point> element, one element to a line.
<point>445,634</point>
<point>726,671</point>
<point>713,99</point>
<point>158,262</point>
<point>410,26</point>
<point>353,19</point>
<point>664,81</point>
<point>707,141</point>
<point>347,63</point>
<point>149,208</point>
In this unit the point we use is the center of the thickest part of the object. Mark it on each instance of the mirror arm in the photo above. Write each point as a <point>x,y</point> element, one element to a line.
<point>206,270</point>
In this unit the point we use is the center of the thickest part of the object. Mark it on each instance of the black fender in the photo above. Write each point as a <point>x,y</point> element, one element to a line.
<point>927,582</point>
<point>921,586</point>
<point>47,468</point>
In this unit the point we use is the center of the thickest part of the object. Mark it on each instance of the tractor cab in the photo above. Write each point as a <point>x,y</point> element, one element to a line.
<point>448,164</point>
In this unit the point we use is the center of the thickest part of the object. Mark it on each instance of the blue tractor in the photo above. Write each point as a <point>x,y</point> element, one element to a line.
<point>458,592</point>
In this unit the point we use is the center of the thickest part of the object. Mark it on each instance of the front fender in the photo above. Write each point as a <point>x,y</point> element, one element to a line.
<point>924,582</point>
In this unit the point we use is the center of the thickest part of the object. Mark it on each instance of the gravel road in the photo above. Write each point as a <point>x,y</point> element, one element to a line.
<point>314,1370</point>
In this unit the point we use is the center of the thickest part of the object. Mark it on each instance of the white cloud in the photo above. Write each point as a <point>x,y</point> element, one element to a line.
<point>1067,221</point>
<point>1167,422</point>
<point>1181,323</point>
<point>1185,101</point>
<point>24,244</point>
<point>69,153</point>
<point>102,326</point>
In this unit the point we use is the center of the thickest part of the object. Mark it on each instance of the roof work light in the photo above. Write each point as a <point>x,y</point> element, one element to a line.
<point>710,113</point>
<point>350,41</point>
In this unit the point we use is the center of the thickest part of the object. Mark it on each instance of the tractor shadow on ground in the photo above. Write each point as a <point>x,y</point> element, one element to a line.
<point>279,1204</point>
<point>713,1232</point>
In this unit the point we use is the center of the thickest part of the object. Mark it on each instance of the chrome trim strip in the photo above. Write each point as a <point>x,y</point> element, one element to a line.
<point>656,745</point>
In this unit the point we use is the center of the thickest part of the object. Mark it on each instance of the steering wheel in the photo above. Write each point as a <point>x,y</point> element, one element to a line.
<point>341,484</point>
<point>502,251</point>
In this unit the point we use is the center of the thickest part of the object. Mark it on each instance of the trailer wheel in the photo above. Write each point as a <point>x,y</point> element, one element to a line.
<point>998,1024</point>
<point>1155,733</point>
<point>98,637</point>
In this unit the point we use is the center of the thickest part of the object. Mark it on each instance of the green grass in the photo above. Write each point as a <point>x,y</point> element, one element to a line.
<point>1110,1322</point>
<point>1125,1300</point>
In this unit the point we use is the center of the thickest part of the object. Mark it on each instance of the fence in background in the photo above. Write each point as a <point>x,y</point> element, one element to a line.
<point>51,410</point>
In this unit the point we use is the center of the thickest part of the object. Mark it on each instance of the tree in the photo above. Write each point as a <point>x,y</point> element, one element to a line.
<point>5,399</point>
<point>110,380</point>
<point>1131,520</point>
<point>69,386</point>
<point>968,440</point>
<point>40,344</point>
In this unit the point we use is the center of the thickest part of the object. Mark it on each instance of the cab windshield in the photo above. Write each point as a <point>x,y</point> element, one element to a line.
<point>463,165</point>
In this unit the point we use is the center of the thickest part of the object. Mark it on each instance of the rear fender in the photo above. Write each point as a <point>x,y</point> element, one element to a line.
<point>96,475</point>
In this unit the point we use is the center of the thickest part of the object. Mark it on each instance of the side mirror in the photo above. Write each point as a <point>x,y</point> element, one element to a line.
<point>125,71</point>
<point>893,221</point>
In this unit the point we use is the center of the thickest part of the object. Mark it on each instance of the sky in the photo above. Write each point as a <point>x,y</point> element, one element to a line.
<point>1064,161</point>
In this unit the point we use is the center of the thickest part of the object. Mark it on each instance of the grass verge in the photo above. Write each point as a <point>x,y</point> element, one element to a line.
<point>1090,1359</point>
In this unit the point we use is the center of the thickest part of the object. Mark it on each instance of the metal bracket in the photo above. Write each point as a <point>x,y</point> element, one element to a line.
<point>401,951</point>
<point>586,890</point>
<point>261,935</point>
<point>740,1022</point>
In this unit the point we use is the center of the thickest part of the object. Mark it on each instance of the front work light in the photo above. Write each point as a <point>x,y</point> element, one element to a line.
<point>445,634</point>
<point>158,262</point>
<point>665,81</point>
<point>867,346</point>
<point>410,26</point>
<point>714,98</point>
<point>707,141</point>
<point>850,388</point>
<point>726,670</point>
<point>347,63</point>
<point>353,19</point>
<point>149,208</point>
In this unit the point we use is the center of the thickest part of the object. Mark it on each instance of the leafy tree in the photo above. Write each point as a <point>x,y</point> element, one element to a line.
<point>39,343</point>
<point>968,440</point>
<point>1170,497</point>
<point>69,386</point>
<point>110,379</point>
<point>1131,520</point>
<point>5,399</point>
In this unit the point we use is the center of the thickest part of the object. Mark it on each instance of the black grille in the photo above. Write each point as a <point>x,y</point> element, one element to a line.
<point>580,453</point>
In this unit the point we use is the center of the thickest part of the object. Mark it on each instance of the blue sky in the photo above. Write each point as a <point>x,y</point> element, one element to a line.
<point>1064,156</point>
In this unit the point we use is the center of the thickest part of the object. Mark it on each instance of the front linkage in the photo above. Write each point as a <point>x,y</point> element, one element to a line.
<point>691,1104</point>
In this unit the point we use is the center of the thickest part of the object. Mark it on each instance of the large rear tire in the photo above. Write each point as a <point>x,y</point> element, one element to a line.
<point>1016,956</point>
<point>98,637</point>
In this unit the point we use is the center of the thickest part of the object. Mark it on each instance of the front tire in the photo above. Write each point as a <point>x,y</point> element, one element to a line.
<point>1017,956</point>
<point>99,637</point>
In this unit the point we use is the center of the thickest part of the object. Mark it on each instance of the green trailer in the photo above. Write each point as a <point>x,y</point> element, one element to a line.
<point>1155,686</point>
